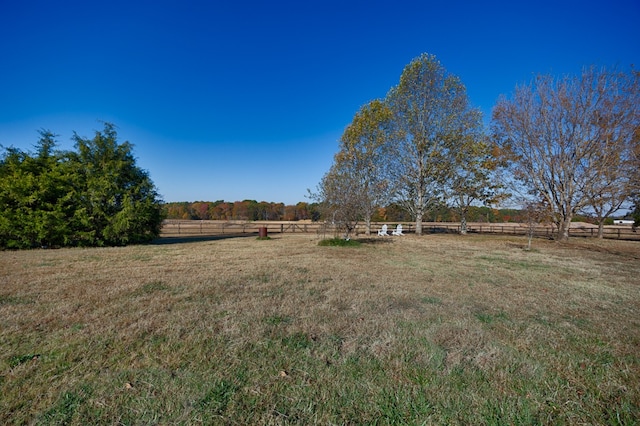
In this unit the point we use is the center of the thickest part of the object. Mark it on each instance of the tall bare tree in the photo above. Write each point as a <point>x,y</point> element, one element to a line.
<point>612,188</point>
<point>432,115</point>
<point>567,139</point>
<point>340,198</point>
<point>535,213</point>
<point>635,209</point>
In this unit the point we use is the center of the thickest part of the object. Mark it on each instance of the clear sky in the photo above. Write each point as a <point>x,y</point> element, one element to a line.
<point>246,99</point>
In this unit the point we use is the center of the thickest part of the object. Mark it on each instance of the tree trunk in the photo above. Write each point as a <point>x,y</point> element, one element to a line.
<point>563,229</point>
<point>601,229</point>
<point>367,222</point>
<point>463,223</point>
<point>419,223</point>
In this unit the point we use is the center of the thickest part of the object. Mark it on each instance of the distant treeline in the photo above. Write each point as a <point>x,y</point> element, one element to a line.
<point>241,210</point>
<point>252,210</point>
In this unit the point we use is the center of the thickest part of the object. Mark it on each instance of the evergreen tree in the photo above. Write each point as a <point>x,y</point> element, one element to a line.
<point>96,196</point>
<point>119,204</point>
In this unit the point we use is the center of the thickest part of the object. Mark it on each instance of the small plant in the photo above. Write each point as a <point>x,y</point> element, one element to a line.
<point>298,340</point>
<point>339,242</point>
<point>432,300</point>
<point>152,287</point>
<point>263,238</point>
<point>16,360</point>
<point>277,320</point>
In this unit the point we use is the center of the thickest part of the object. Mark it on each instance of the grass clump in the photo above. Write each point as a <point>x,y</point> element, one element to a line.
<point>339,242</point>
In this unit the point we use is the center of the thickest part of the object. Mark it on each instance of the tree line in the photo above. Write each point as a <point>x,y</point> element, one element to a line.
<point>251,210</point>
<point>92,196</point>
<point>558,147</point>
<point>247,210</point>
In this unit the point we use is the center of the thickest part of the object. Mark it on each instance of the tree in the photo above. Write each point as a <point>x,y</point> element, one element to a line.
<point>635,213</point>
<point>176,210</point>
<point>37,193</point>
<point>290,213</point>
<point>118,203</point>
<point>635,159</point>
<point>96,196</point>
<point>364,155</point>
<point>222,211</point>
<point>611,189</point>
<point>341,197</point>
<point>357,183</point>
<point>535,213</point>
<point>432,115</point>
<point>563,138</point>
<point>470,179</point>
<point>616,150</point>
<point>302,211</point>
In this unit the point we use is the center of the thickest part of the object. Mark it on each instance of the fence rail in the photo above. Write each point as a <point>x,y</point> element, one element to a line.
<point>187,228</point>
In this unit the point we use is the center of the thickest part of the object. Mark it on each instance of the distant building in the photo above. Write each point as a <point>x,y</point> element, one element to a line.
<point>622,222</point>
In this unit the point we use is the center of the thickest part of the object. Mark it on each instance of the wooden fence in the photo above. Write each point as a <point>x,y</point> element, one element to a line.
<point>194,228</point>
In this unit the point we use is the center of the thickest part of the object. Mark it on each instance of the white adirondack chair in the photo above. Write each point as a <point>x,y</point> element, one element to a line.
<point>398,230</point>
<point>383,232</point>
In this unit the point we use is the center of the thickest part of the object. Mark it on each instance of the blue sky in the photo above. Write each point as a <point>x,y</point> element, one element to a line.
<point>243,100</point>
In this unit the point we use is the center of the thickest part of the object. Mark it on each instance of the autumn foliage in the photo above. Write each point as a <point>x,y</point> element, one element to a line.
<point>241,210</point>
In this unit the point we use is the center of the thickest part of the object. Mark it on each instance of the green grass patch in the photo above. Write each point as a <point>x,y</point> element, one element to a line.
<point>16,360</point>
<point>152,287</point>
<point>67,409</point>
<point>489,318</point>
<point>218,397</point>
<point>277,319</point>
<point>15,300</point>
<point>339,242</point>
<point>298,340</point>
<point>431,300</point>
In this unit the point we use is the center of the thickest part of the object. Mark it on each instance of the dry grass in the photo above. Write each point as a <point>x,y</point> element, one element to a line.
<point>438,330</point>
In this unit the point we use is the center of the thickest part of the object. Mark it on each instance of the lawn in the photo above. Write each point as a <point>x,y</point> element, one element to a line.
<point>439,329</point>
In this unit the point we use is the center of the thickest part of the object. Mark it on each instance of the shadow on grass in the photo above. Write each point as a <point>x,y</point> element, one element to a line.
<point>199,238</point>
<point>183,239</point>
<point>373,240</point>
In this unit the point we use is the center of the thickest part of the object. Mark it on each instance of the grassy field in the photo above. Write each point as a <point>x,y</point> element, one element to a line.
<point>441,329</point>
